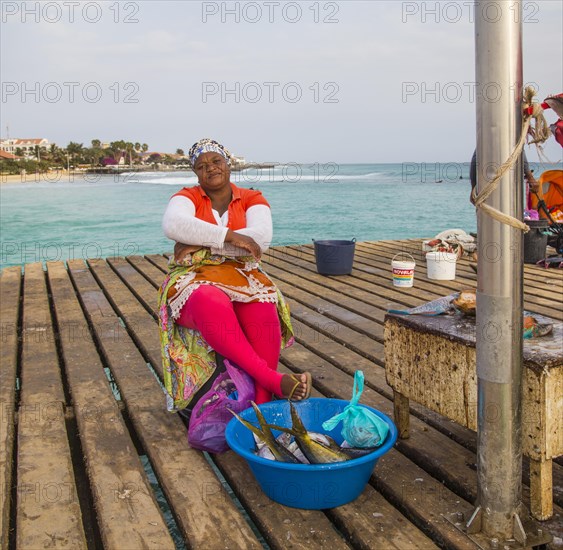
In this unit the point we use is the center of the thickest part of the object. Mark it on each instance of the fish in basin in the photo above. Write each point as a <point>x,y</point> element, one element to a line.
<point>297,444</point>
<point>265,438</point>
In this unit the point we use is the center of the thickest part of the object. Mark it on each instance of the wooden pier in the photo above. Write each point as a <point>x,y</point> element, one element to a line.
<point>85,434</point>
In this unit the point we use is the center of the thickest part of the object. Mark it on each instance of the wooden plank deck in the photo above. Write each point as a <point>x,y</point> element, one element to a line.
<point>83,414</point>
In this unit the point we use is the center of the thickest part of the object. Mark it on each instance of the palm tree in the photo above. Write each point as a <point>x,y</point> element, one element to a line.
<point>130,147</point>
<point>74,149</point>
<point>117,148</point>
<point>95,153</point>
<point>47,154</point>
<point>52,154</point>
<point>56,154</point>
<point>60,156</point>
<point>138,150</point>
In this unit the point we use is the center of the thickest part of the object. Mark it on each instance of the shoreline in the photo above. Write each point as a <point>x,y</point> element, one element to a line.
<point>55,176</point>
<point>40,177</point>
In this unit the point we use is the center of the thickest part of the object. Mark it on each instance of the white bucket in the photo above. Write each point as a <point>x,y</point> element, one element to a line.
<point>403,270</point>
<point>441,265</point>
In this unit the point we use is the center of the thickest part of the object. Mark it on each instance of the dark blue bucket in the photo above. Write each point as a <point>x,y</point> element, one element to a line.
<point>535,241</point>
<point>334,257</point>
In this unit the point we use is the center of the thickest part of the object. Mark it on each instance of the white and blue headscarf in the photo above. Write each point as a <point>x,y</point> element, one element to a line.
<point>207,145</point>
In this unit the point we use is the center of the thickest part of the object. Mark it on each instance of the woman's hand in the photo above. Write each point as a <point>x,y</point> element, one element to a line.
<point>244,242</point>
<point>181,250</point>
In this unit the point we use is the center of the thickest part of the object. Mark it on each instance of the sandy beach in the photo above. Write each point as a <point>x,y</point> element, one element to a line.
<point>63,176</point>
<point>46,177</point>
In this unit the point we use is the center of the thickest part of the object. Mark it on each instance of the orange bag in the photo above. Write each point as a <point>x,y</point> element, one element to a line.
<point>551,191</point>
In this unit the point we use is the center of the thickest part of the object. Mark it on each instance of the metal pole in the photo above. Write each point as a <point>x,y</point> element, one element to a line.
<point>498,36</point>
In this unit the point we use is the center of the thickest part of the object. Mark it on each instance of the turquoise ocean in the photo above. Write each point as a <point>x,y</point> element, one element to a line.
<point>99,216</point>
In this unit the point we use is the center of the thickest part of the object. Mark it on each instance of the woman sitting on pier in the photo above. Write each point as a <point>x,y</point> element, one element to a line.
<point>215,299</point>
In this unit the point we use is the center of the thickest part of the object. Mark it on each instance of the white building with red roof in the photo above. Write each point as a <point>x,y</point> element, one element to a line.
<point>27,145</point>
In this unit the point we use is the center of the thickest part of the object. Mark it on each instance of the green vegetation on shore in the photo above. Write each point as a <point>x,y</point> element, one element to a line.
<point>76,156</point>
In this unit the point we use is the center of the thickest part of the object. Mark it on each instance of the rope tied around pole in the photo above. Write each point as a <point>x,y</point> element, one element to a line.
<point>540,132</point>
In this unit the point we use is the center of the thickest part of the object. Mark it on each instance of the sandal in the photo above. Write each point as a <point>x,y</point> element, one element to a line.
<point>297,380</point>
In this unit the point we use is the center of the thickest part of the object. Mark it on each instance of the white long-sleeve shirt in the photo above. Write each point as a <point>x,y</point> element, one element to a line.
<point>180,224</point>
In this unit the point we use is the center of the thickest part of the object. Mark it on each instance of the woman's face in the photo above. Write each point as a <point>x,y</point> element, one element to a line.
<point>212,171</point>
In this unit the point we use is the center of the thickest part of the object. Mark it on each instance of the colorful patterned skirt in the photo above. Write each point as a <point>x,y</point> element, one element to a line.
<point>187,360</point>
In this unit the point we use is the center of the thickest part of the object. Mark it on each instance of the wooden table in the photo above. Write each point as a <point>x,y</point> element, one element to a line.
<point>432,360</point>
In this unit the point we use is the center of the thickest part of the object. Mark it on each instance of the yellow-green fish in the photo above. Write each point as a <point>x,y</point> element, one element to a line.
<point>264,434</point>
<point>315,451</point>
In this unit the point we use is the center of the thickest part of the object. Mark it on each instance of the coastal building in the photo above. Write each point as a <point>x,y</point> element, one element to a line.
<point>238,161</point>
<point>26,145</point>
<point>8,156</point>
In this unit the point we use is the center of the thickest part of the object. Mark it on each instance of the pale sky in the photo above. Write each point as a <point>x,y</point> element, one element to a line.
<point>348,81</point>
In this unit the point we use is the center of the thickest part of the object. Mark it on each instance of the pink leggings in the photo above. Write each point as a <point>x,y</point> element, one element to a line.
<point>247,334</point>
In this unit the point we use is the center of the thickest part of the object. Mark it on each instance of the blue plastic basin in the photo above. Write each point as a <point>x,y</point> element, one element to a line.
<point>307,486</point>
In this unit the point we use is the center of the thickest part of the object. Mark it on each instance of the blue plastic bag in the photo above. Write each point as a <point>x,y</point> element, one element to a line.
<point>360,427</point>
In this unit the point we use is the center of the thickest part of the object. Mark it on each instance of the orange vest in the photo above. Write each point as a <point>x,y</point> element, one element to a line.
<point>242,200</point>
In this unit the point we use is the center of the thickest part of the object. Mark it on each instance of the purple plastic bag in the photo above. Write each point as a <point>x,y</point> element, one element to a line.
<point>232,389</point>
